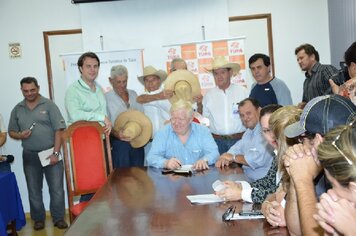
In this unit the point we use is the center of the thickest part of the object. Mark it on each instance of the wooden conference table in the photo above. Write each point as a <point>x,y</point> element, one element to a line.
<point>143,201</point>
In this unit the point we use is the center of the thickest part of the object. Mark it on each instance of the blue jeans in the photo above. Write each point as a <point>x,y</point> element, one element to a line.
<point>225,144</point>
<point>34,178</point>
<point>124,155</point>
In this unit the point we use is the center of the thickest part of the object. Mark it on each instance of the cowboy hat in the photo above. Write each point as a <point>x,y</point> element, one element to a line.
<point>135,125</point>
<point>184,84</point>
<point>150,70</point>
<point>222,62</point>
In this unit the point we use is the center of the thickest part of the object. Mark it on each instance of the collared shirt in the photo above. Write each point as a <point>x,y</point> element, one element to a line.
<point>221,108</point>
<point>274,91</point>
<point>84,104</point>
<point>256,151</point>
<point>166,144</point>
<point>116,105</point>
<point>48,120</point>
<point>317,84</point>
<point>157,111</point>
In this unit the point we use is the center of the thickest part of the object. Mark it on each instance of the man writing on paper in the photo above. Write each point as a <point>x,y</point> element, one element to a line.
<point>44,135</point>
<point>182,142</point>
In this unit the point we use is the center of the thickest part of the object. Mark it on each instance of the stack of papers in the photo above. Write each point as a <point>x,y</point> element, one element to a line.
<point>184,169</point>
<point>251,217</point>
<point>204,198</point>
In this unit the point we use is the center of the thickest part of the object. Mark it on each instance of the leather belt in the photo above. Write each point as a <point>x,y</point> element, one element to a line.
<point>229,136</point>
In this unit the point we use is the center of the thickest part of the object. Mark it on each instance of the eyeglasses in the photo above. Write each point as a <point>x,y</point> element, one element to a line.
<point>266,131</point>
<point>229,213</point>
<point>306,135</point>
<point>338,137</point>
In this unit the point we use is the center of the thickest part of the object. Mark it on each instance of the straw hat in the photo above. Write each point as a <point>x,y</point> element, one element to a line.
<point>135,125</point>
<point>184,84</point>
<point>222,62</point>
<point>150,70</point>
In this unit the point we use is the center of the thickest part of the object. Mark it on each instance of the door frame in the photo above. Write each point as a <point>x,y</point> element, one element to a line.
<point>268,17</point>
<point>46,35</point>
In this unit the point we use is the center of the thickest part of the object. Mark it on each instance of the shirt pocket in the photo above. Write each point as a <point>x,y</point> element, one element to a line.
<point>196,154</point>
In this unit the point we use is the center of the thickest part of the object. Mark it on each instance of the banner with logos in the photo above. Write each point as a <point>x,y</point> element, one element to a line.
<point>132,59</point>
<point>199,57</point>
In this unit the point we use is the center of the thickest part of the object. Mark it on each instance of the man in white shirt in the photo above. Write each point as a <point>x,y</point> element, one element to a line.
<point>220,105</point>
<point>155,100</point>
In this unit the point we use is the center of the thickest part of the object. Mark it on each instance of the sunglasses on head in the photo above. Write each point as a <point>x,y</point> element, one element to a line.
<point>335,142</point>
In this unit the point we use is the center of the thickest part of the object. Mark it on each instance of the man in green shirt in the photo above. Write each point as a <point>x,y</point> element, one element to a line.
<point>85,99</point>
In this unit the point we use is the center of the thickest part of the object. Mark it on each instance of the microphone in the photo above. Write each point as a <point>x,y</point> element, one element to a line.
<point>7,158</point>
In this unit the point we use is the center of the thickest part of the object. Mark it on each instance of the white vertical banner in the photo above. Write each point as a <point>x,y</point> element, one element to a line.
<point>132,59</point>
<point>199,57</point>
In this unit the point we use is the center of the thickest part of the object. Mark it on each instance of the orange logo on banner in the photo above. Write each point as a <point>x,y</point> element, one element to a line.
<point>192,66</point>
<point>189,51</point>
<point>220,48</point>
<point>204,64</point>
<point>239,59</point>
<point>206,81</point>
<point>204,51</point>
<point>172,53</point>
<point>235,48</point>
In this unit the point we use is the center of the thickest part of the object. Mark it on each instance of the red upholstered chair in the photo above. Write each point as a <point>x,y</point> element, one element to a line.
<point>86,165</point>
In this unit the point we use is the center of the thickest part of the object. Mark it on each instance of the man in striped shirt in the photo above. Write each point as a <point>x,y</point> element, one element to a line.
<point>317,76</point>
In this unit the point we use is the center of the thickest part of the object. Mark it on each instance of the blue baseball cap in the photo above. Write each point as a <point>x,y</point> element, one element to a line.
<point>322,114</point>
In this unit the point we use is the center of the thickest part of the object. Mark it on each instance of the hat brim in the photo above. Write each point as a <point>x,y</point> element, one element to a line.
<point>294,130</point>
<point>234,66</point>
<point>182,75</point>
<point>142,120</point>
<point>160,73</point>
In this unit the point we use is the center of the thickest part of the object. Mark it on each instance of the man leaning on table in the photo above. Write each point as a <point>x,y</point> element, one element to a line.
<point>252,151</point>
<point>182,142</point>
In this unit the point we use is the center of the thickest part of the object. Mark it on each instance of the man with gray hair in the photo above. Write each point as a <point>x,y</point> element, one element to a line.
<point>183,142</point>
<point>118,100</point>
<point>178,64</point>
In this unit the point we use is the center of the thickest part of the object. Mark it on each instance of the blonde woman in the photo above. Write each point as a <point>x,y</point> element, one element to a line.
<point>337,154</point>
<point>273,207</point>
<point>258,190</point>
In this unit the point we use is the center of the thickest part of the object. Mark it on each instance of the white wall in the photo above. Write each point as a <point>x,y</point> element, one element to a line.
<point>294,22</point>
<point>151,25</point>
<point>24,21</point>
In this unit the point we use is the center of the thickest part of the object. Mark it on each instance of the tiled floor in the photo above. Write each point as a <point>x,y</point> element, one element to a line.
<point>49,230</point>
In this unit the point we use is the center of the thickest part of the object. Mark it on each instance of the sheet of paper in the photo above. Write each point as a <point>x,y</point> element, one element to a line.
<point>184,169</point>
<point>204,198</point>
<point>238,217</point>
<point>44,156</point>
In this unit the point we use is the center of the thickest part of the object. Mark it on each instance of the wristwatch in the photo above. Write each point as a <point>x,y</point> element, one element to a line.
<point>56,154</point>
<point>234,158</point>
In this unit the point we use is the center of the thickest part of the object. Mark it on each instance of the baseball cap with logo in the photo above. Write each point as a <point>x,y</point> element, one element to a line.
<point>322,114</point>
